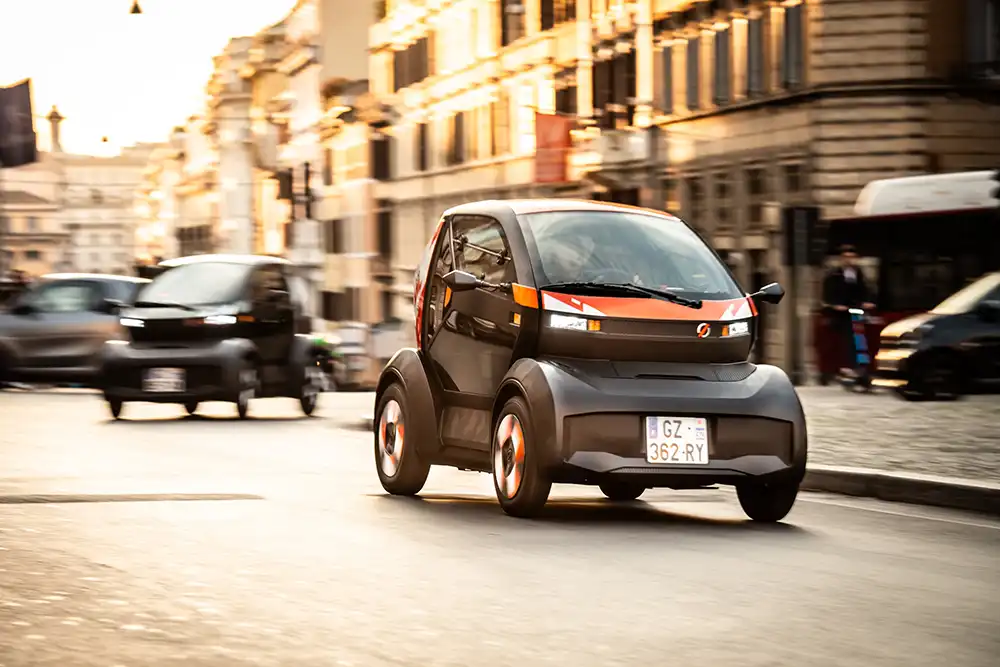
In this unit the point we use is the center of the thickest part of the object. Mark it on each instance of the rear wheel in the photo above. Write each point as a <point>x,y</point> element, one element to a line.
<point>768,503</point>
<point>191,407</point>
<point>621,491</point>
<point>400,469</point>
<point>520,482</point>
<point>115,406</point>
<point>248,387</point>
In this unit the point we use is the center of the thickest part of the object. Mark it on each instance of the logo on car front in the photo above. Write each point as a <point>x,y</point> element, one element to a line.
<point>704,330</point>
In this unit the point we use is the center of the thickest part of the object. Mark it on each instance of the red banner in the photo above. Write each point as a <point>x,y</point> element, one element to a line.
<point>552,145</point>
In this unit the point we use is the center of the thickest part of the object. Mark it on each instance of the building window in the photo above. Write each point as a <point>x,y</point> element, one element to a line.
<point>566,94</point>
<point>334,237</point>
<point>412,64</point>
<point>693,73</point>
<point>500,120</point>
<point>511,21</point>
<point>601,83</point>
<point>671,196</point>
<point>723,66</point>
<point>756,190</point>
<point>983,35</point>
<point>695,200</point>
<point>380,146</point>
<point>793,55</point>
<point>721,199</point>
<point>793,178</point>
<point>333,306</point>
<point>555,12</point>
<point>32,224</point>
<point>755,57</point>
<point>327,166</point>
<point>422,151</point>
<point>383,229</point>
<point>663,84</point>
<point>32,254</point>
<point>387,303</point>
<point>456,140</point>
<point>381,9</point>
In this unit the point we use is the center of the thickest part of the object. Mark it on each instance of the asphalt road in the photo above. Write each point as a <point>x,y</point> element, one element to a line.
<point>284,551</point>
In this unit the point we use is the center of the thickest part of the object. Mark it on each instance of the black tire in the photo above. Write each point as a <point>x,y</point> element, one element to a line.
<point>768,503</point>
<point>397,461</point>
<point>248,387</point>
<point>937,378</point>
<point>531,484</point>
<point>115,406</point>
<point>311,386</point>
<point>191,407</point>
<point>621,491</point>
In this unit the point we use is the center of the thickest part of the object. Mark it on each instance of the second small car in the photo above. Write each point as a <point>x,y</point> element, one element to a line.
<point>214,328</point>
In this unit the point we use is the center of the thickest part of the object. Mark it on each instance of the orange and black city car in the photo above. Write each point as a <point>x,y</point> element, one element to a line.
<point>578,342</point>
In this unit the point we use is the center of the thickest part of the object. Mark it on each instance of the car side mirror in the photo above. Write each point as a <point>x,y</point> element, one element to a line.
<point>110,306</point>
<point>23,309</point>
<point>772,293</point>
<point>461,281</point>
<point>989,311</point>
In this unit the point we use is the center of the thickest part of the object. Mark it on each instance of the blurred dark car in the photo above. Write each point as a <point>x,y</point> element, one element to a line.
<point>55,330</point>
<point>214,328</point>
<point>946,352</point>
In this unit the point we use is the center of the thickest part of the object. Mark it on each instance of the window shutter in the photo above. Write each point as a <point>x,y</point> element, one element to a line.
<point>693,72</point>
<point>659,80</point>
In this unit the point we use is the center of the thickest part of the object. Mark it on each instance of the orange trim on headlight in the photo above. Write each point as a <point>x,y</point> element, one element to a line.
<point>524,295</point>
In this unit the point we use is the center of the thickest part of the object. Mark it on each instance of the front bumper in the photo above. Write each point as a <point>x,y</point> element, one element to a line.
<point>211,371</point>
<point>892,367</point>
<point>756,427</point>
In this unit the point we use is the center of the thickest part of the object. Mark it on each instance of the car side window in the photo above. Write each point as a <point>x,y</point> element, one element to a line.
<point>65,297</point>
<point>437,292</point>
<point>482,250</point>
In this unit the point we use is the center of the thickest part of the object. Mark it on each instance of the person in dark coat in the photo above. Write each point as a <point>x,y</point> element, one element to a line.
<point>845,287</point>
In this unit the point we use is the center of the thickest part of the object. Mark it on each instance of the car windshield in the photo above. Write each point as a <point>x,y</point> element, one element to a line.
<point>625,247</point>
<point>203,283</point>
<point>966,299</point>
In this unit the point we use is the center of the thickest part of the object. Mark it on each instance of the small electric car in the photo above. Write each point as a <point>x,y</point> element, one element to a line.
<point>579,342</point>
<point>214,328</point>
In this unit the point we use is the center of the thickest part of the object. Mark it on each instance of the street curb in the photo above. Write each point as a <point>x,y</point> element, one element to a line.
<point>912,488</point>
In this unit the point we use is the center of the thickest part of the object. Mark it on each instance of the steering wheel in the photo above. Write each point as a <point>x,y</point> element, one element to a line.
<point>612,275</point>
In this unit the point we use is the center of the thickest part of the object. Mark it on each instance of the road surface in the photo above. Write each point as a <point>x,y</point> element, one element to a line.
<point>168,540</point>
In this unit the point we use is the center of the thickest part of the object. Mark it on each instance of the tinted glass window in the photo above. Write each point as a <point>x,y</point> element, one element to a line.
<point>625,247</point>
<point>480,249</point>
<point>64,297</point>
<point>197,284</point>
<point>436,289</point>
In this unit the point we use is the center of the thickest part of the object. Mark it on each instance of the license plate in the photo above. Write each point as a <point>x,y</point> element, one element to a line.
<point>164,380</point>
<point>677,440</point>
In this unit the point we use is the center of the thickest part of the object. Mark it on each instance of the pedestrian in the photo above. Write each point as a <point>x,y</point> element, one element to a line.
<point>845,287</point>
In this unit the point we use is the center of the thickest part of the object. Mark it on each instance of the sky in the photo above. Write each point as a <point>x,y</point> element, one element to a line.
<point>128,77</point>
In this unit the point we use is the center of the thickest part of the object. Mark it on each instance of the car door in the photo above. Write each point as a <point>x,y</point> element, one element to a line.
<point>273,322</point>
<point>57,329</point>
<point>472,334</point>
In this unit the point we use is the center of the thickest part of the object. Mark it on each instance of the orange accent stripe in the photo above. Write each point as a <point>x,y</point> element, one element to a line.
<point>447,295</point>
<point>646,309</point>
<point>525,296</point>
<point>753,306</point>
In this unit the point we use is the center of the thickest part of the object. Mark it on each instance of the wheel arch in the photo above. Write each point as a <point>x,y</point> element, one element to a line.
<point>406,368</point>
<point>527,379</point>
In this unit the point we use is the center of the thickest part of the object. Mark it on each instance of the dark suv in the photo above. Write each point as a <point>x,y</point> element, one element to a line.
<point>214,328</point>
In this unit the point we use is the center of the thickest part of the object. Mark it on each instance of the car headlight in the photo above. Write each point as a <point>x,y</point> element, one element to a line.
<point>573,323</point>
<point>220,319</point>
<point>131,322</point>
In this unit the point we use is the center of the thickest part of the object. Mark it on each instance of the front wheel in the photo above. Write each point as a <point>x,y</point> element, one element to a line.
<point>621,491</point>
<point>247,390</point>
<point>312,385</point>
<point>768,503</point>
<point>400,469</point>
<point>520,482</point>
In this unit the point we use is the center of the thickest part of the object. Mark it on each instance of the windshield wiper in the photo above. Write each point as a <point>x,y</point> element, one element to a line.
<point>141,303</point>
<point>630,287</point>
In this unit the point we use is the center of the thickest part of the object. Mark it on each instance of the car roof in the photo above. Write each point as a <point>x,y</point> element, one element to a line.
<point>249,260</point>
<point>94,276</point>
<point>527,206</point>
